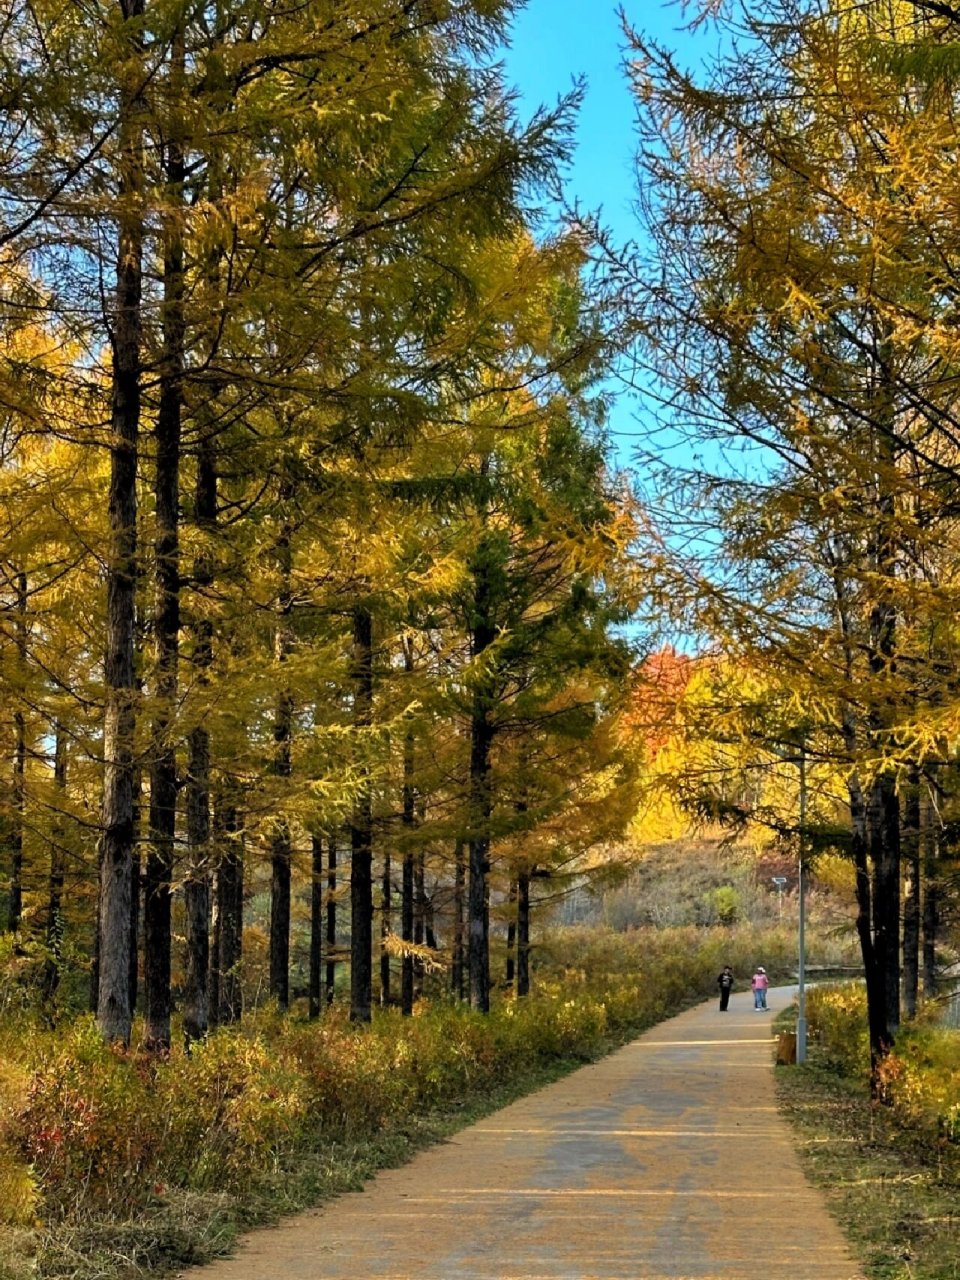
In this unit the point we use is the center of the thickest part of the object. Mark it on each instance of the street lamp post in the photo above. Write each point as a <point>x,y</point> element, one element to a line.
<point>801,887</point>
<point>779,881</point>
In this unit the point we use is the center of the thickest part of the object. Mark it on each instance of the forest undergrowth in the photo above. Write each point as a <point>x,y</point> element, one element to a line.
<point>890,1168</point>
<point>118,1163</point>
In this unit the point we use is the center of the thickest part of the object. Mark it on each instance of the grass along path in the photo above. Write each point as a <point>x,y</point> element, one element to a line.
<point>897,1203</point>
<point>659,1161</point>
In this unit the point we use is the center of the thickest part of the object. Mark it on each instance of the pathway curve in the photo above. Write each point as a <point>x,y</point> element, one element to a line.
<point>665,1161</point>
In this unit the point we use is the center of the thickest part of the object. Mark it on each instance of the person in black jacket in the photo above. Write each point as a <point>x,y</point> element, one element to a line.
<point>725,983</point>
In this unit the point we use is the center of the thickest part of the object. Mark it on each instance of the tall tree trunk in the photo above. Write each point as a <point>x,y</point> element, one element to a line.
<point>361,828</point>
<point>459,883</point>
<point>930,830</point>
<point>331,939</point>
<point>196,895</point>
<point>386,895</point>
<point>51,979</point>
<point>316,926</point>
<point>15,902</point>
<point>229,915</point>
<point>419,920</point>
<point>136,883</point>
<point>199,1003</point>
<point>407,931</point>
<point>163,777</point>
<point>911,898</point>
<point>523,933</point>
<point>281,847</point>
<point>883,808</point>
<point>481,742</point>
<point>94,990</point>
<point>883,826</point>
<point>216,924</point>
<point>510,971</point>
<point>408,818</point>
<point>113,998</point>
<point>879,1033</point>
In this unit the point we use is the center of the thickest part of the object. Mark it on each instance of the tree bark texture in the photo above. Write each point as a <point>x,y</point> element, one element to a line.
<point>510,969</point>
<point>930,836</point>
<point>457,973</point>
<point>281,847</point>
<point>166,626</point>
<point>113,998</point>
<point>15,900</point>
<point>481,741</point>
<point>386,906</point>
<point>229,936</point>
<point>200,1005</point>
<point>361,829</point>
<point>51,977</point>
<point>523,933</point>
<point>330,977</point>
<point>910,841</point>
<point>408,818</point>
<point>316,927</point>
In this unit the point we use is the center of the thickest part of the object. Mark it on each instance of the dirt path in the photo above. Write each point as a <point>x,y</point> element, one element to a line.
<point>665,1160</point>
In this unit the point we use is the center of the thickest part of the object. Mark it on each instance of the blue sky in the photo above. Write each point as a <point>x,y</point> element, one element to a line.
<point>555,41</point>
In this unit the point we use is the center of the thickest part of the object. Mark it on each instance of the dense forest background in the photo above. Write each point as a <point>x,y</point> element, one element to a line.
<point>338,657</point>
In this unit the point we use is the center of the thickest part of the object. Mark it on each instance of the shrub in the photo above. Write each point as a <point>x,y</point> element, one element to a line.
<point>837,1018</point>
<point>109,1132</point>
<point>18,1190</point>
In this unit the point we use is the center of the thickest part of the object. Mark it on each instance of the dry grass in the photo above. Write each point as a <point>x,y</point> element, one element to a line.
<point>187,1228</point>
<point>897,1200</point>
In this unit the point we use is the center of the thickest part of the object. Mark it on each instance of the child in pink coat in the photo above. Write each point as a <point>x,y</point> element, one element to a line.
<point>759,986</point>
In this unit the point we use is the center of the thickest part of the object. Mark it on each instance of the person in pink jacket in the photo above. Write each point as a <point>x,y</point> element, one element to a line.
<point>759,984</point>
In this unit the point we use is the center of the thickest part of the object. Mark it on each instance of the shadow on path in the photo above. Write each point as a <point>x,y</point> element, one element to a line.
<point>665,1161</point>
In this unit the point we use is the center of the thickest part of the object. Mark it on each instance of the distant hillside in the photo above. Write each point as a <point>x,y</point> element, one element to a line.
<point>708,882</point>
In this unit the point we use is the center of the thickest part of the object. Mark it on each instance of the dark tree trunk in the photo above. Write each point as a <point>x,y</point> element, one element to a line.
<point>113,997</point>
<point>94,992</point>
<point>510,971</point>
<point>316,927</point>
<point>216,927</point>
<point>280,915</point>
<point>483,633</point>
<point>361,829</point>
<point>883,827</point>
<point>136,876</point>
<point>163,779</point>
<point>478,948</point>
<point>200,1004</point>
<point>15,901</point>
<point>331,974</point>
<point>281,848</point>
<point>51,977</point>
<point>523,933</point>
<point>459,884</point>
<point>873,970</point>
<point>406,927</point>
<point>419,921</point>
<point>883,808</point>
<point>429,935</point>
<point>408,818</point>
<point>385,924</point>
<point>157,896</point>
<point>196,893</point>
<point>911,897</point>
<point>931,893</point>
<point>229,946</point>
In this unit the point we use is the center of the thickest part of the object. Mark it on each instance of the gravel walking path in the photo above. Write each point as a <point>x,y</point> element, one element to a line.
<point>665,1161</point>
